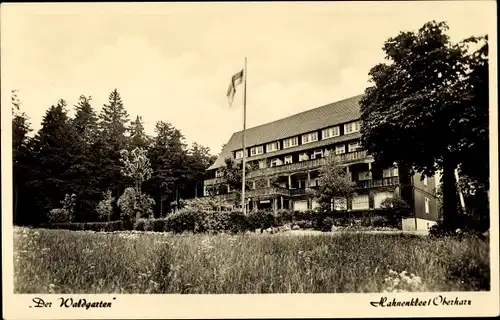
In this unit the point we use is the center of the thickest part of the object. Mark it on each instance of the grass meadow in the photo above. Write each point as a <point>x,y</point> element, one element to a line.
<point>59,261</point>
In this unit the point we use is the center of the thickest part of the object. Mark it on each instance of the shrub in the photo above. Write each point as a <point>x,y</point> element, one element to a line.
<point>206,221</point>
<point>261,220</point>
<point>380,221</point>
<point>304,224</point>
<point>135,205</point>
<point>205,204</point>
<point>326,224</point>
<point>394,209</point>
<point>66,213</point>
<point>59,215</point>
<point>284,216</point>
<point>105,207</point>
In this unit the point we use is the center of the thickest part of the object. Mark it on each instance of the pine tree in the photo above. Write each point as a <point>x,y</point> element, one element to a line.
<point>85,122</point>
<point>84,173</point>
<point>113,124</point>
<point>112,139</point>
<point>138,137</point>
<point>168,160</point>
<point>54,148</point>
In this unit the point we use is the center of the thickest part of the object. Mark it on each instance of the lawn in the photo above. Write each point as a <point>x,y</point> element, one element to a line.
<point>59,261</point>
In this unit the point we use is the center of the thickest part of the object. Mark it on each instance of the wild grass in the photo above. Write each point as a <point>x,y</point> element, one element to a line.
<point>59,261</point>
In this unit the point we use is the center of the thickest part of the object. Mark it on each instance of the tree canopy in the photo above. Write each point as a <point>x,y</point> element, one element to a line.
<point>428,107</point>
<point>86,155</point>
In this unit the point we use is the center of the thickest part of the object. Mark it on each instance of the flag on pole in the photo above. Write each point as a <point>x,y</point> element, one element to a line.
<point>231,91</point>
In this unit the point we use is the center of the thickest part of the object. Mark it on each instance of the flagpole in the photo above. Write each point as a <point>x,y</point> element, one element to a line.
<point>243,200</point>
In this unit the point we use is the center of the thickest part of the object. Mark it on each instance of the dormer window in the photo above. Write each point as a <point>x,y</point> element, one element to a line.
<point>352,127</point>
<point>309,137</point>
<point>330,132</point>
<point>273,146</point>
<point>238,154</point>
<point>256,150</point>
<point>291,142</point>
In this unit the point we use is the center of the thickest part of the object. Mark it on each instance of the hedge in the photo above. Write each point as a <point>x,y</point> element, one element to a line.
<point>199,221</point>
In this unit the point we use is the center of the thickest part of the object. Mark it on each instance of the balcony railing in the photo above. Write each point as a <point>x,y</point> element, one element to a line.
<point>268,191</point>
<point>302,192</point>
<point>209,182</point>
<point>278,191</point>
<point>309,164</point>
<point>391,181</point>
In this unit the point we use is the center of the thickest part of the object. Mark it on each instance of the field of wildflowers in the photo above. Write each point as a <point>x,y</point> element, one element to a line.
<point>60,261</point>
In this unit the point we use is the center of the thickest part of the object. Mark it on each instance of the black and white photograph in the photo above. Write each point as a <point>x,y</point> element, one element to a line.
<point>226,155</point>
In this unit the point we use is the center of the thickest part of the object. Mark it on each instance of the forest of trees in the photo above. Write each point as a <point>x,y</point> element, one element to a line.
<point>80,155</point>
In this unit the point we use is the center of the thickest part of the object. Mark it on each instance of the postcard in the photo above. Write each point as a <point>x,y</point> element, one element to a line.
<point>249,160</point>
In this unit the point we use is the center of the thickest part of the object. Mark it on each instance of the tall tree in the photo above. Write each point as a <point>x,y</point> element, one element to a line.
<point>407,113</point>
<point>20,153</point>
<point>113,127</point>
<point>84,172</point>
<point>85,122</point>
<point>54,147</point>
<point>168,160</point>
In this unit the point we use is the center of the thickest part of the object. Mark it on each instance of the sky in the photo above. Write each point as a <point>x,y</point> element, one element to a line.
<point>172,62</point>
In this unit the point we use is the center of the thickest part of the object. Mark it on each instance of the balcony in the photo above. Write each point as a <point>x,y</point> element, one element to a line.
<point>209,182</point>
<point>385,182</point>
<point>302,192</point>
<point>309,164</point>
<point>274,191</point>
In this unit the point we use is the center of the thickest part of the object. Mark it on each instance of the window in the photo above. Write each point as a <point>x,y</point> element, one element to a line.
<point>330,132</point>
<point>354,146</point>
<point>239,154</point>
<point>276,162</point>
<point>317,154</point>
<point>288,159</point>
<point>273,146</point>
<point>309,137</point>
<point>379,197</point>
<point>340,149</point>
<point>425,181</point>
<point>352,127</point>
<point>291,142</point>
<point>218,174</point>
<point>391,172</point>
<point>427,210</point>
<point>303,156</point>
<point>360,202</point>
<point>256,150</point>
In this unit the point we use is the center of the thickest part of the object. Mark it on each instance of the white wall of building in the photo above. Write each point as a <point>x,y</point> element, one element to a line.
<point>408,224</point>
<point>300,205</point>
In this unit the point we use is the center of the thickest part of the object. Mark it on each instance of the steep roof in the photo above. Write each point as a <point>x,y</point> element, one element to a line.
<point>322,117</point>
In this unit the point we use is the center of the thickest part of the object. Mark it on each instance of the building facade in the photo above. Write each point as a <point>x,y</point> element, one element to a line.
<point>288,154</point>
